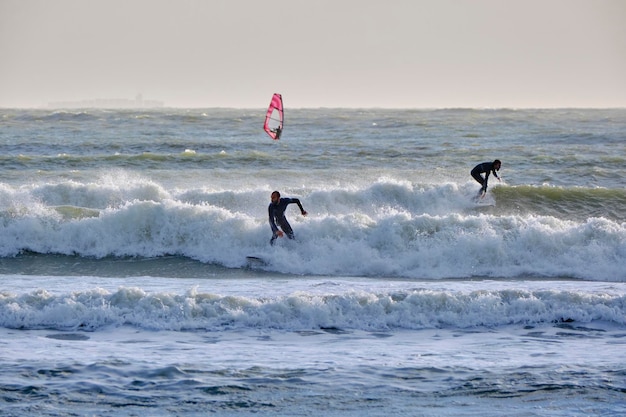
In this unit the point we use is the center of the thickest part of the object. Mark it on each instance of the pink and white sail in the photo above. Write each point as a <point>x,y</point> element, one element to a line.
<point>274,117</point>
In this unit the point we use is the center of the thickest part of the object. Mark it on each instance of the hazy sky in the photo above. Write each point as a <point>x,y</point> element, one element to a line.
<point>317,53</point>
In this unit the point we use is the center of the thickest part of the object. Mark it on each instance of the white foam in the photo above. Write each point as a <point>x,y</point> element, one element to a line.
<point>388,229</point>
<point>309,304</point>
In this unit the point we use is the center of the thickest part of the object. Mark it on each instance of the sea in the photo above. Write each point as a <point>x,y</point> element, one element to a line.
<point>127,287</point>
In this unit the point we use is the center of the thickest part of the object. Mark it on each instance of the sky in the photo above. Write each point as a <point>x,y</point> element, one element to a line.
<point>316,53</point>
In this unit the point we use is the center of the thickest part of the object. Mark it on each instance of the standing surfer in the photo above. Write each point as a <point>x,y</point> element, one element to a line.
<point>485,168</point>
<point>276,211</point>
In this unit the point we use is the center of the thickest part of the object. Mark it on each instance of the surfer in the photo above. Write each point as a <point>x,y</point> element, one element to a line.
<point>276,211</point>
<point>485,168</point>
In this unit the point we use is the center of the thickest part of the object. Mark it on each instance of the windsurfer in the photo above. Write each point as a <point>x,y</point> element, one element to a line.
<point>278,132</point>
<point>274,117</point>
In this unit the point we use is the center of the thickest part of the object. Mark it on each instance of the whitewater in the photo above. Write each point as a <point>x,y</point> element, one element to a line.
<point>125,287</point>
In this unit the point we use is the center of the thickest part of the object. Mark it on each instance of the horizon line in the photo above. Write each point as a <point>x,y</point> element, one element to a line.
<point>164,107</point>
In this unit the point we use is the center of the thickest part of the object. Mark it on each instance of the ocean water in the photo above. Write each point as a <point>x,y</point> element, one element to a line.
<point>125,287</point>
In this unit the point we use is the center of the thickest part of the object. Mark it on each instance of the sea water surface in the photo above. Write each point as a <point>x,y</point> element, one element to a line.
<point>125,287</point>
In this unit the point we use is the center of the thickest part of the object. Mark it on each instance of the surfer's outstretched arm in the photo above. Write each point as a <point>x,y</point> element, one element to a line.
<point>302,210</point>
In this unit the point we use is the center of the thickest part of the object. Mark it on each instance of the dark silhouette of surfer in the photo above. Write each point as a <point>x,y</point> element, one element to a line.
<point>278,132</point>
<point>276,212</point>
<point>485,168</point>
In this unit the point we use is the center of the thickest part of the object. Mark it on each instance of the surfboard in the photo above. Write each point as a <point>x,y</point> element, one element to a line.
<point>485,200</point>
<point>274,117</point>
<point>255,261</point>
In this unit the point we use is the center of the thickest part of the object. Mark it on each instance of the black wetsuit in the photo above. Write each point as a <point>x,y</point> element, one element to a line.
<point>277,215</point>
<point>486,168</point>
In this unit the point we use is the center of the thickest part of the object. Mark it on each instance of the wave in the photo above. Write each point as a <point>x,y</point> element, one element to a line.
<point>169,156</point>
<point>51,116</point>
<point>386,229</point>
<point>186,116</point>
<point>402,309</point>
<point>564,202</point>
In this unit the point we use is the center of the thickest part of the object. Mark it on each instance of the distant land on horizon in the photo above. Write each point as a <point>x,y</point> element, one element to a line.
<point>104,103</point>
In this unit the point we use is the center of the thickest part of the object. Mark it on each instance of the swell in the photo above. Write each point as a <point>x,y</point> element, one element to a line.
<point>576,203</point>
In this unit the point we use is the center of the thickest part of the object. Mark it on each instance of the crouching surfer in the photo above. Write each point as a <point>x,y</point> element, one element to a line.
<point>485,168</point>
<point>276,211</point>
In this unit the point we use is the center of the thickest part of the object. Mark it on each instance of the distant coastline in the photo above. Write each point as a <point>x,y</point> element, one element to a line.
<point>103,103</point>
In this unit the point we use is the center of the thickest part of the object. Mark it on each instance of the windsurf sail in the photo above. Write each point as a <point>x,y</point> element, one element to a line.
<point>274,117</point>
